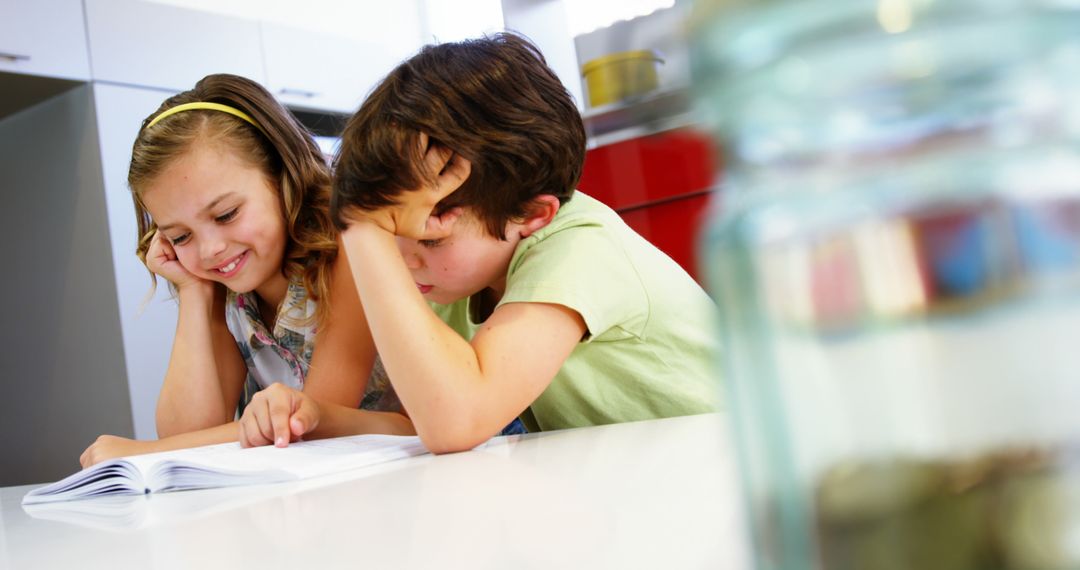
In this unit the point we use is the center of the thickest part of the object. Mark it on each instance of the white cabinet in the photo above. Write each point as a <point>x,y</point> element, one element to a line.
<point>146,325</point>
<point>136,42</point>
<point>327,56</point>
<point>43,37</point>
<point>62,372</point>
<point>83,355</point>
<point>327,72</point>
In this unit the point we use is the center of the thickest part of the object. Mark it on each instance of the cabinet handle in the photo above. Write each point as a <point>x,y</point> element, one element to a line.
<point>14,56</point>
<point>297,92</point>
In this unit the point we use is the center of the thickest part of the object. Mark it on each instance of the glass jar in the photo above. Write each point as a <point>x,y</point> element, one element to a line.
<point>897,264</point>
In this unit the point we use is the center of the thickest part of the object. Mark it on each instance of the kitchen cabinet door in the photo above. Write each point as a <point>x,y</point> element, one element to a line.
<point>660,184</point>
<point>329,72</point>
<point>62,372</point>
<point>135,42</point>
<point>43,37</point>
<point>147,324</point>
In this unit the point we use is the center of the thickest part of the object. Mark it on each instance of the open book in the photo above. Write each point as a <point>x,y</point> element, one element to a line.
<point>226,465</point>
<point>130,512</point>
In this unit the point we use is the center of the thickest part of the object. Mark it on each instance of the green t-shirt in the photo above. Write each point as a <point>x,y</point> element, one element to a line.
<point>650,343</point>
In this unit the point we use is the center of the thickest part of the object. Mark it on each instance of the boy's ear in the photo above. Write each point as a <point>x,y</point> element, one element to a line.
<point>542,210</point>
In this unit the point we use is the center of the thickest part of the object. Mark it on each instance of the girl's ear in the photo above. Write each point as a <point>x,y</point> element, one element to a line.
<point>542,210</point>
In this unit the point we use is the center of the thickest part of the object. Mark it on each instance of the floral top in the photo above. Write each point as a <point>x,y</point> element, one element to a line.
<point>285,355</point>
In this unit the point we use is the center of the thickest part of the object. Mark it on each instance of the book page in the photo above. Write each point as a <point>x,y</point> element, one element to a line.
<point>116,476</point>
<point>302,459</point>
<point>227,464</point>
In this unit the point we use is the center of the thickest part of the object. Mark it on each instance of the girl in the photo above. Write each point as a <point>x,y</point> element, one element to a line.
<point>231,197</point>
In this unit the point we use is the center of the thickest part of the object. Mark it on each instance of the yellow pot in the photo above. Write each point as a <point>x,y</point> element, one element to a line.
<point>621,75</point>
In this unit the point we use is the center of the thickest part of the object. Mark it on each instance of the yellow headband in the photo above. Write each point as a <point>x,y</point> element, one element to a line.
<point>203,105</point>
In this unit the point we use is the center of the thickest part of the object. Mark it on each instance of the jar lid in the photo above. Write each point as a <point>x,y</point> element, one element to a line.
<point>594,64</point>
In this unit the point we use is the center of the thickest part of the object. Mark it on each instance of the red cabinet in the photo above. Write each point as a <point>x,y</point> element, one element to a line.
<point>660,184</point>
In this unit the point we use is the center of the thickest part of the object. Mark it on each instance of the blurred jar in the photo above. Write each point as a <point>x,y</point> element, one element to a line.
<point>619,76</point>
<point>897,263</point>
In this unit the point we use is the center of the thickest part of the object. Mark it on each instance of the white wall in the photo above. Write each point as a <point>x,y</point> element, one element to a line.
<point>459,20</point>
<point>545,23</point>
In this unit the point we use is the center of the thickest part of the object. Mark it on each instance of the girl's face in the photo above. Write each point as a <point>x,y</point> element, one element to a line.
<point>223,218</point>
<point>462,264</point>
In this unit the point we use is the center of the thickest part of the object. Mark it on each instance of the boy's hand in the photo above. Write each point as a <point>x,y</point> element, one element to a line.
<point>410,218</point>
<point>111,447</point>
<point>278,415</point>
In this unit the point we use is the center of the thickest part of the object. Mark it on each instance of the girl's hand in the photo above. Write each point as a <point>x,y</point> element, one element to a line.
<point>410,218</point>
<point>161,260</point>
<point>278,415</point>
<point>111,447</point>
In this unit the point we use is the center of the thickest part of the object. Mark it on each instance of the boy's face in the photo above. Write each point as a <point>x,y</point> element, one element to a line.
<point>462,264</point>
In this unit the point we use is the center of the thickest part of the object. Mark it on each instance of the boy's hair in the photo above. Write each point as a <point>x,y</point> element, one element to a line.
<point>493,101</point>
<point>280,146</point>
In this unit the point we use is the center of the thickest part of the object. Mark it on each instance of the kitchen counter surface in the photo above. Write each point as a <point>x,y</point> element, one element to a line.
<point>653,494</point>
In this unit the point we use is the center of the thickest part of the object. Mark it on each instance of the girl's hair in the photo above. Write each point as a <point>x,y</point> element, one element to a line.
<point>492,100</point>
<point>279,146</point>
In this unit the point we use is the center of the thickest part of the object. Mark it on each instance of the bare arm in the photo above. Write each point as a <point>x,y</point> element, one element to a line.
<point>344,351</point>
<point>111,446</point>
<point>337,378</point>
<point>280,415</point>
<point>206,372</point>
<point>343,360</point>
<point>458,393</point>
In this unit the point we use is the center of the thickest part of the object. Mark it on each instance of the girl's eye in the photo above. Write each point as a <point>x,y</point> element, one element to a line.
<point>178,240</point>
<point>227,216</point>
<point>430,243</point>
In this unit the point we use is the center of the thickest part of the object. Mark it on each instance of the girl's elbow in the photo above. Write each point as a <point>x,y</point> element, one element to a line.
<point>167,425</point>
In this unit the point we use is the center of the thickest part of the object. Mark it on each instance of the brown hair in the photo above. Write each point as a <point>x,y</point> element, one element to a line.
<point>492,100</point>
<point>281,147</point>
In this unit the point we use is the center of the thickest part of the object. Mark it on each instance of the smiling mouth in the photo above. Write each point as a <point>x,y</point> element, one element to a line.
<point>424,288</point>
<point>232,265</point>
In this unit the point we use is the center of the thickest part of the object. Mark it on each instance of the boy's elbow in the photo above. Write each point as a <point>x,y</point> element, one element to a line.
<point>446,439</point>
<point>444,447</point>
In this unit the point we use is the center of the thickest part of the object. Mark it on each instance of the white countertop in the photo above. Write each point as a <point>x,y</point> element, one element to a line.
<point>654,494</point>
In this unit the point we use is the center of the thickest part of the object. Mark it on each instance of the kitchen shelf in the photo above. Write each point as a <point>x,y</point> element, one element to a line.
<point>649,114</point>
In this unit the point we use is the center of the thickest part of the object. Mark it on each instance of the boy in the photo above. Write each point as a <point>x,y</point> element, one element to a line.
<point>493,289</point>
